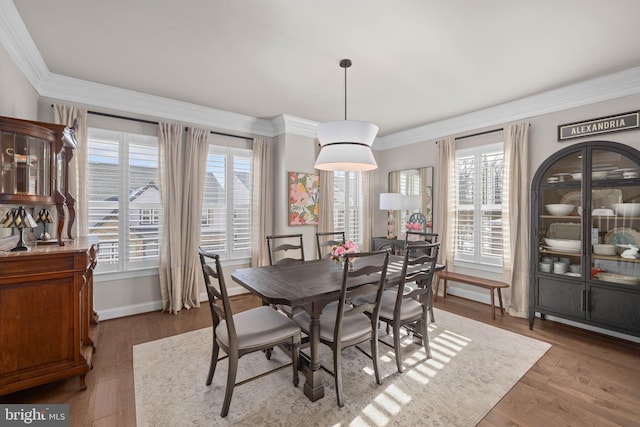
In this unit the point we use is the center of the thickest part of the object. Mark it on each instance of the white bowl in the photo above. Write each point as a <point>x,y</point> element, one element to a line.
<point>604,249</point>
<point>599,174</point>
<point>627,209</point>
<point>577,176</point>
<point>563,244</point>
<point>619,278</point>
<point>559,209</point>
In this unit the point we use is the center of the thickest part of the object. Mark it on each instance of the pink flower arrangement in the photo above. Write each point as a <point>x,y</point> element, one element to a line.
<point>414,226</point>
<point>339,251</point>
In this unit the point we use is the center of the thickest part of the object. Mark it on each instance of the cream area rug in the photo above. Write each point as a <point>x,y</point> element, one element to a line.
<point>473,366</point>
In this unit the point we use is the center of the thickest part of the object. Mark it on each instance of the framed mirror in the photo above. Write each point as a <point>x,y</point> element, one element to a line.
<point>414,182</point>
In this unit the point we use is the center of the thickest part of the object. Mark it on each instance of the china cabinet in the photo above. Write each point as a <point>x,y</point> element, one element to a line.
<point>34,167</point>
<point>585,215</point>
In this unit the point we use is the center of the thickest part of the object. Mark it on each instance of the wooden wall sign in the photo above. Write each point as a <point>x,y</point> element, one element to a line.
<point>620,122</point>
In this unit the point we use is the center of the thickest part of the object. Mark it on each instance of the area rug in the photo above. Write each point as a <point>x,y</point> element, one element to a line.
<point>473,366</point>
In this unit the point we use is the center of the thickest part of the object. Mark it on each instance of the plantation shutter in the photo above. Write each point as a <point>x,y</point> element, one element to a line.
<point>103,192</point>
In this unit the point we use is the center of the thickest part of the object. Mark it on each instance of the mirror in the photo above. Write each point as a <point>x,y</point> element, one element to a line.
<point>414,182</point>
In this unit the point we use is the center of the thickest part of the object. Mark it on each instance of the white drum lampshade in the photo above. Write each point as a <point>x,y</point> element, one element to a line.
<point>346,146</point>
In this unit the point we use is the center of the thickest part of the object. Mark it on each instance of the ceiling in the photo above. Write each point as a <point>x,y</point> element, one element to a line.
<point>415,62</point>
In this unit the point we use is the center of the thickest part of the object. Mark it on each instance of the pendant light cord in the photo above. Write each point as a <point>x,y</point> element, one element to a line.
<point>345,63</point>
<point>345,93</point>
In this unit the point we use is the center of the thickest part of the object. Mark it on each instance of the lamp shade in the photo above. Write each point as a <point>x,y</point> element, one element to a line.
<point>391,201</point>
<point>346,146</point>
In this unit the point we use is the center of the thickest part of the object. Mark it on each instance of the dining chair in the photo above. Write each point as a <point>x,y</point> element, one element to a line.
<point>279,246</point>
<point>325,240</point>
<point>399,308</point>
<point>249,331</point>
<point>429,238</point>
<point>421,235</point>
<point>344,325</point>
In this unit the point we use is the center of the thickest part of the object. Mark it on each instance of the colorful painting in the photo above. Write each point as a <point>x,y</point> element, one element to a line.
<point>303,198</point>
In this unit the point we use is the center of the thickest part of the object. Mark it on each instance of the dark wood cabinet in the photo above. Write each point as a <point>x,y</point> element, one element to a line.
<point>48,328</point>
<point>34,167</point>
<point>585,213</point>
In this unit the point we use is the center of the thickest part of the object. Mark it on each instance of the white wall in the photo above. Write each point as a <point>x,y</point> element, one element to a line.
<point>293,153</point>
<point>17,97</point>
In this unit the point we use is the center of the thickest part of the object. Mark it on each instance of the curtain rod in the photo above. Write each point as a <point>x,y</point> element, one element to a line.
<point>479,133</point>
<point>151,122</point>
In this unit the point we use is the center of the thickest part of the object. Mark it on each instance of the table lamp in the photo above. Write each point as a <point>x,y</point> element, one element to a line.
<point>44,217</point>
<point>390,202</point>
<point>19,218</point>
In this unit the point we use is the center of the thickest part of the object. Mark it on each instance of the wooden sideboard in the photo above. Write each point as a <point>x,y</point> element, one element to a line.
<point>48,328</point>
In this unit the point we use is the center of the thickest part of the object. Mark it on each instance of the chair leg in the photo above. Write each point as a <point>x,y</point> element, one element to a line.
<point>231,382</point>
<point>374,357</point>
<point>295,351</point>
<point>396,345</point>
<point>430,299</point>
<point>337,369</point>
<point>215,350</point>
<point>425,335</point>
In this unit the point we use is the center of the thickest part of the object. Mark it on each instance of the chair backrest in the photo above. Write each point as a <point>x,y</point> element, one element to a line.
<point>366,277</point>
<point>326,240</point>
<point>419,266</point>
<point>218,298</point>
<point>421,235</point>
<point>279,246</point>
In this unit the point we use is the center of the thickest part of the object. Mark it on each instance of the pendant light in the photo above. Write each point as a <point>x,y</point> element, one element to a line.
<point>346,144</point>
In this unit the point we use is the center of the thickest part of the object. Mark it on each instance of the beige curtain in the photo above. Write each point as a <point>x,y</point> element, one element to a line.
<point>182,172</point>
<point>515,217</point>
<point>261,201</point>
<point>447,183</point>
<point>78,170</point>
<point>367,210</point>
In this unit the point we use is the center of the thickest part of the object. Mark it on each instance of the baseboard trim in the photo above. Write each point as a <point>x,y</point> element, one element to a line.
<point>129,310</point>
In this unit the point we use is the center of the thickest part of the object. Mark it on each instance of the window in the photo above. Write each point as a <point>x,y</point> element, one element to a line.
<point>347,204</point>
<point>478,237</point>
<point>226,203</point>
<point>124,199</point>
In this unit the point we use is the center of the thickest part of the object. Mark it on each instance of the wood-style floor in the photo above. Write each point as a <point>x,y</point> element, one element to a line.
<point>585,379</point>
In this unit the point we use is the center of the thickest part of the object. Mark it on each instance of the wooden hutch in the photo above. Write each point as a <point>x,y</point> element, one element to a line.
<point>48,327</point>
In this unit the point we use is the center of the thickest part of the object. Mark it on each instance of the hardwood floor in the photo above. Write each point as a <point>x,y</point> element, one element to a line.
<point>585,379</point>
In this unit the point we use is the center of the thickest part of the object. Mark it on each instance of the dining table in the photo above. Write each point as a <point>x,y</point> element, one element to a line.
<point>307,285</point>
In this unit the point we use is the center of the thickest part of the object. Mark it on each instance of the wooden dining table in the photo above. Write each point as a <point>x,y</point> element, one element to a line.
<point>310,285</point>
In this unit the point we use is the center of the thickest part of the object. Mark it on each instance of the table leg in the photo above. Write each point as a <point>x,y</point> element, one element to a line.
<point>313,387</point>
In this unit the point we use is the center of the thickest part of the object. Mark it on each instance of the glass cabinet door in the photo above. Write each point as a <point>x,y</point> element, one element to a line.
<point>559,218</point>
<point>615,218</point>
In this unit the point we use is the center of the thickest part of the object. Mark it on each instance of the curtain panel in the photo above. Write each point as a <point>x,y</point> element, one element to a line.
<point>447,183</point>
<point>261,201</point>
<point>515,217</point>
<point>182,172</point>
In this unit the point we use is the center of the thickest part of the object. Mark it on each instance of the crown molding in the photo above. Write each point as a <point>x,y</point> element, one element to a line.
<point>600,89</point>
<point>285,123</point>
<point>94,94</point>
<point>18,42</point>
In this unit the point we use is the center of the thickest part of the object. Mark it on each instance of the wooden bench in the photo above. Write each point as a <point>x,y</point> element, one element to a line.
<point>471,280</point>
